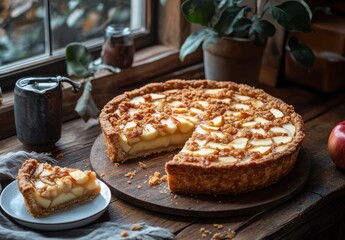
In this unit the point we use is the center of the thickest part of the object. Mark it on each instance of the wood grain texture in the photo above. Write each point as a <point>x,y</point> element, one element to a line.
<point>318,206</point>
<point>158,198</point>
<point>173,27</point>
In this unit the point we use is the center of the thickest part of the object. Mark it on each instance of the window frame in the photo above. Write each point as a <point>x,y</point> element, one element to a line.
<point>37,65</point>
<point>157,62</point>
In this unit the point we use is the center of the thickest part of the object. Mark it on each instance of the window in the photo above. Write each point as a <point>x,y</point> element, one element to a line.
<point>159,30</point>
<point>35,32</point>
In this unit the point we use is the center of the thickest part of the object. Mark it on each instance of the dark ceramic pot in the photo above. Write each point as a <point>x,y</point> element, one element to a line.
<point>38,110</point>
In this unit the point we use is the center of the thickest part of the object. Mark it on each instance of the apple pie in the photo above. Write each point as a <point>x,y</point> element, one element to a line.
<point>47,189</point>
<point>234,138</point>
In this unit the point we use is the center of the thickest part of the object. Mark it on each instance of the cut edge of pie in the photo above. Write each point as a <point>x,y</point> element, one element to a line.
<point>204,176</point>
<point>47,189</point>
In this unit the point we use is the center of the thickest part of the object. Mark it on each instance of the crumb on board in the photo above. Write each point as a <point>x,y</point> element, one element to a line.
<point>129,182</point>
<point>205,230</point>
<point>139,186</point>
<point>124,234</point>
<point>136,227</point>
<point>102,174</point>
<point>142,165</point>
<point>164,178</point>
<point>131,174</point>
<point>117,164</point>
<point>230,234</point>
<point>217,236</point>
<point>156,178</point>
<point>60,155</point>
<point>218,226</point>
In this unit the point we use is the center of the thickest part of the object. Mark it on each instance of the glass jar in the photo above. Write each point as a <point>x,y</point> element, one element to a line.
<point>118,49</point>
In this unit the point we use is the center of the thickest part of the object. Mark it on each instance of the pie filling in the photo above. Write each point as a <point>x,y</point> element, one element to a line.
<point>159,143</point>
<point>182,124</point>
<point>51,188</point>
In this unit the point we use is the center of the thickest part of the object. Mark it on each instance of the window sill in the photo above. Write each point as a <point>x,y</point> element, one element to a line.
<point>150,64</point>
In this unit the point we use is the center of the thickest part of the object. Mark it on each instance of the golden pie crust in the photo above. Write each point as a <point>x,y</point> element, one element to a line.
<point>235,115</point>
<point>33,186</point>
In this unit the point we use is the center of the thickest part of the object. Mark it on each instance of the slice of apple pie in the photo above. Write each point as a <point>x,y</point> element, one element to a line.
<point>47,189</point>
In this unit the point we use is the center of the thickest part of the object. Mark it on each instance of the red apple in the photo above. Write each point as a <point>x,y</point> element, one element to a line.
<point>336,145</point>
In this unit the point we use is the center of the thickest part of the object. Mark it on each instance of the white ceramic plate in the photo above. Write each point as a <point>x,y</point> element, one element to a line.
<point>12,202</point>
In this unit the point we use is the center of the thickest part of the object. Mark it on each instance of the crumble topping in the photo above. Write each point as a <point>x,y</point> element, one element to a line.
<point>218,117</point>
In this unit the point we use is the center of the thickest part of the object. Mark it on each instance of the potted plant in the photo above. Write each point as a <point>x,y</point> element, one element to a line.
<point>235,34</point>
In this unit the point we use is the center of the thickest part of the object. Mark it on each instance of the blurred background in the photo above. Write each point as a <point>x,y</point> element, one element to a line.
<point>29,28</point>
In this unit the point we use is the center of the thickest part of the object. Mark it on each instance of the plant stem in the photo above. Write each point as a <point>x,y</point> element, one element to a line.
<point>265,8</point>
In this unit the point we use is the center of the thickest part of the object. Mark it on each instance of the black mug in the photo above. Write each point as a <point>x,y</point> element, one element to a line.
<point>38,110</point>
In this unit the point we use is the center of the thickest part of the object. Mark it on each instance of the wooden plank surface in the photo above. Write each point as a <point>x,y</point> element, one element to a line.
<point>319,205</point>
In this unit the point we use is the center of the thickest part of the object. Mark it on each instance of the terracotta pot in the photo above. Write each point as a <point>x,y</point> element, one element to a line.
<point>233,59</point>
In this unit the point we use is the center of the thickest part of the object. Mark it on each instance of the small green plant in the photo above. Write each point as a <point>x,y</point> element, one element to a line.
<point>232,18</point>
<point>81,64</point>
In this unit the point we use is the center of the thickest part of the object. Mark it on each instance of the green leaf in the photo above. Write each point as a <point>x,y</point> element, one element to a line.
<point>234,2</point>
<point>209,40</point>
<point>260,30</point>
<point>263,27</point>
<point>94,67</point>
<point>301,53</point>
<point>227,20</point>
<point>193,41</point>
<point>292,15</point>
<point>241,27</point>
<point>257,38</point>
<point>196,11</point>
<point>310,13</point>
<point>78,59</point>
<point>86,107</point>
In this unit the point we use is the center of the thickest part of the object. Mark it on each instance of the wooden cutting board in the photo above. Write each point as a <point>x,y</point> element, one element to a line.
<point>158,198</point>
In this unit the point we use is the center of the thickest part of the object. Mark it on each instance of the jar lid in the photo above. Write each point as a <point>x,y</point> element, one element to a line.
<point>117,31</point>
<point>37,85</point>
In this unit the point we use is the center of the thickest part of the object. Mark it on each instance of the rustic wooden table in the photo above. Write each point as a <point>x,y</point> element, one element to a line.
<point>318,210</point>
